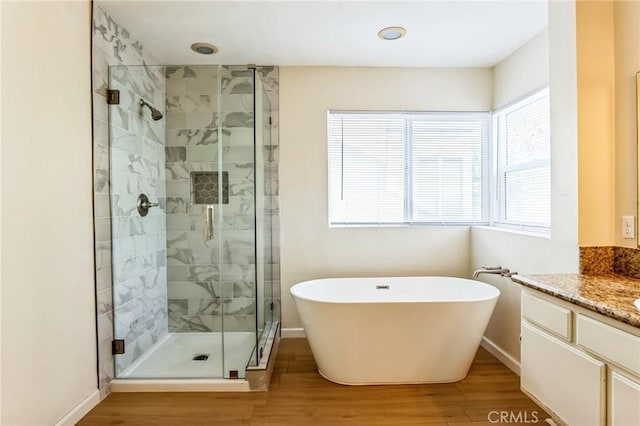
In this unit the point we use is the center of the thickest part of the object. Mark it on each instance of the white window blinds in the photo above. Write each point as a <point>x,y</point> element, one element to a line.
<point>367,166</point>
<point>407,168</point>
<point>448,153</point>
<point>523,175</point>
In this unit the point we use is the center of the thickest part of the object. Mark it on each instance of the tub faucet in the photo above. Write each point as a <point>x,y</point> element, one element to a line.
<point>497,270</point>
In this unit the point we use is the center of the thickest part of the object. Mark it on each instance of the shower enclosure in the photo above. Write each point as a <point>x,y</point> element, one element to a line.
<point>192,183</point>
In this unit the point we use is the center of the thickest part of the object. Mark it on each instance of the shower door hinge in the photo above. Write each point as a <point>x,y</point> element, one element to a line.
<point>117,347</point>
<point>270,121</point>
<point>113,97</point>
<point>271,306</point>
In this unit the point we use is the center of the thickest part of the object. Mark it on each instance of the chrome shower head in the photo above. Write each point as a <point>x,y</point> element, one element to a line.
<point>155,114</point>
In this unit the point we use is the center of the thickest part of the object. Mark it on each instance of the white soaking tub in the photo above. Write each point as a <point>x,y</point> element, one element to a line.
<point>370,331</point>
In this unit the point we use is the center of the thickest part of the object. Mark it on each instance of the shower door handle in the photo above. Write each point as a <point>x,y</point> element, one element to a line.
<point>208,223</point>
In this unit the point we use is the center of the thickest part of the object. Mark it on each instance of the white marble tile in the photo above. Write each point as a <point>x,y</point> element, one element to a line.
<point>179,257</point>
<point>203,86</point>
<point>100,108</point>
<point>103,254</point>
<point>101,181</point>
<point>239,306</point>
<point>203,273</point>
<point>106,370</point>
<point>104,302</point>
<point>178,222</point>
<point>175,120</point>
<point>103,277</point>
<point>125,317</point>
<point>237,103</point>
<point>102,229</point>
<point>238,136</point>
<point>100,71</point>
<point>202,153</point>
<point>128,290</point>
<point>199,120</point>
<point>175,87</point>
<point>105,325</point>
<point>101,157</point>
<point>192,102</point>
<point>177,273</point>
<point>129,268</point>
<point>155,242</point>
<point>124,140</point>
<point>237,154</point>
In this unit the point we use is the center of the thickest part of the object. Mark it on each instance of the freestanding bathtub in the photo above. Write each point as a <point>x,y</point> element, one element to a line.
<point>369,331</point>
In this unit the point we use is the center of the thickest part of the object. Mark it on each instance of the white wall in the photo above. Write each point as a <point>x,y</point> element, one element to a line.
<point>310,249</point>
<point>48,308</point>
<point>525,253</point>
<point>523,71</point>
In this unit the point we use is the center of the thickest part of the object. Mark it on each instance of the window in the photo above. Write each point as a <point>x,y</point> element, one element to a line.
<point>523,163</point>
<point>387,168</point>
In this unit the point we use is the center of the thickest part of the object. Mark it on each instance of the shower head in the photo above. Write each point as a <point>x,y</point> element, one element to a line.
<point>155,114</point>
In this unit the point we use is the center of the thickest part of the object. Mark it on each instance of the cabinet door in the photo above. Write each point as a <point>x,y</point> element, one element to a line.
<point>565,380</point>
<point>625,401</point>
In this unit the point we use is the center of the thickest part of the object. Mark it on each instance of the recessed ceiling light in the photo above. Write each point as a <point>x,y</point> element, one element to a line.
<point>392,33</point>
<point>204,48</point>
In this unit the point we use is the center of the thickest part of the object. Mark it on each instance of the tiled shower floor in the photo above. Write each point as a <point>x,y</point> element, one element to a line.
<point>172,358</point>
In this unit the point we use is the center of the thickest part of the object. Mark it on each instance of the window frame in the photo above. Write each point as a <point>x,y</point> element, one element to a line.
<point>410,117</point>
<point>498,204</point>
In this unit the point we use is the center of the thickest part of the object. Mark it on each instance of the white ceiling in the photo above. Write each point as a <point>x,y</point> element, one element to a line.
<point>445,33</point>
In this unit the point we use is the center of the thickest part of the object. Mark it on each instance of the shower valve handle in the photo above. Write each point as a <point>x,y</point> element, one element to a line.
<point>144,204</point>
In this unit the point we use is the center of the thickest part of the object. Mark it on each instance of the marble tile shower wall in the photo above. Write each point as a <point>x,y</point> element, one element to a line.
<point>134,257</point>
<point>138,243</point>
<point>210,278</point>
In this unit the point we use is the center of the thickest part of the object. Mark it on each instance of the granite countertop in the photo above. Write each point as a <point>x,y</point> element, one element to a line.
<point>610,295</point>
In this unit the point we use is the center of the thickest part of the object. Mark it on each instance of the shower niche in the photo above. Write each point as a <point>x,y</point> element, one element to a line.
<point>199,274</point>
<point>204,187</point>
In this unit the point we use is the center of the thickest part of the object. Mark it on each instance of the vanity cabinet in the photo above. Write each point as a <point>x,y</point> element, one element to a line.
<point>582,368</point>
<point>624,408</point>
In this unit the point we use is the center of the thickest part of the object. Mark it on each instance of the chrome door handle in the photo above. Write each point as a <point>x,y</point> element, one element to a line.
<point>208,223</point>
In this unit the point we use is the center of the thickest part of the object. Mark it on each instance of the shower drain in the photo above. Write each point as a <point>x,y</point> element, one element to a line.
<point>201,357</point>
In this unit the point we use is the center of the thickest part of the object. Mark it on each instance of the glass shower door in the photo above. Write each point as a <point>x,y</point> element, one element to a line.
<point>196,197</point>
<point>237,158</point>
<point>264,246</point>
<point>167,290</point>
<point>191,224</point>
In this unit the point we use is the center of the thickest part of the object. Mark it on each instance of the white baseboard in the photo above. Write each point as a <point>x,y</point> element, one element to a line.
<point>293,333</point>
<point>80,410</point>
<point>502,356</point>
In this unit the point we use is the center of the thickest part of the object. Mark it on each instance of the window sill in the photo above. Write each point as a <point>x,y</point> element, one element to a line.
<point>402,225</point>
<point>524,232</point>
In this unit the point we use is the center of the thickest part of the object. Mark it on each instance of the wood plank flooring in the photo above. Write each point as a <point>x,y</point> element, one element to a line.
<point>298,395</point>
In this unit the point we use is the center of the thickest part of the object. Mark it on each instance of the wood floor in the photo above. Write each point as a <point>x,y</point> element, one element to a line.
<point>298,395</point>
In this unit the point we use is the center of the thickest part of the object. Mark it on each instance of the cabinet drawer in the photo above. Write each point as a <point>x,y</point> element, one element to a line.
<point>553,318</point>
<point>610,343</point>
<point>567,381</point>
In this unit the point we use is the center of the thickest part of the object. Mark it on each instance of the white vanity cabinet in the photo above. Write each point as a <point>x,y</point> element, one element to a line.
<point>580,366</point>
<point>624,403</point>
